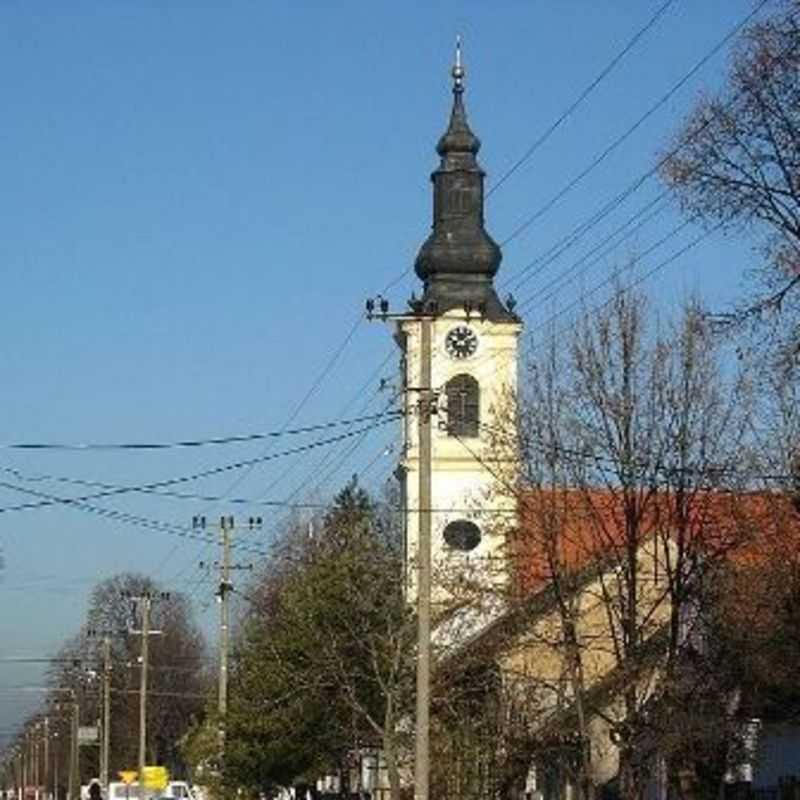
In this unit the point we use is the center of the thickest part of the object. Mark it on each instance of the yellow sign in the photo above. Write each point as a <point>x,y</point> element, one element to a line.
<point>156,778</point>
<point>128,775</point>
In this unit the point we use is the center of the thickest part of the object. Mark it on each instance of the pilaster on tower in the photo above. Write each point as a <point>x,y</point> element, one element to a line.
<point>473,368</point>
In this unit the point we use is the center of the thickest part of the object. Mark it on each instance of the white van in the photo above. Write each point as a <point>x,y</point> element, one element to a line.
<point>178,790</point>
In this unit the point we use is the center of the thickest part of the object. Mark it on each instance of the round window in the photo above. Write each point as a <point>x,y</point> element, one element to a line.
<point>462,535</point>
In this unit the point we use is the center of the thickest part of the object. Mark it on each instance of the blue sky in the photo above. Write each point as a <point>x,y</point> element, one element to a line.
<point>197,197</point>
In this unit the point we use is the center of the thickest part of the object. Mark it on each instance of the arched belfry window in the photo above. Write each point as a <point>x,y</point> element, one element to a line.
<point>463,405</point>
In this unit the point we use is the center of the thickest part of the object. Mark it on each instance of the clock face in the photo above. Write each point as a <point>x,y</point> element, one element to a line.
<point>461,342</point>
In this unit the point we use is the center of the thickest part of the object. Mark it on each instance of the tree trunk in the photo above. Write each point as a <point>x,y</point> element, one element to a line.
<point>390,756</point>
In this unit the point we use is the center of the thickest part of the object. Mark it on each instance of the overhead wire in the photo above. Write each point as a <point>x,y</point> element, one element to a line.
<point>588,455</point>
<point>527,155</point>
<point>315,385</point>
<point>318,381</point>
<point>639,280</point>
<point>322,478</point>
<point>124,517</point>
<point>655,207</point>
<point>571,239</point>
<point>323,460</point>
<point>332,361</point>
<point>193,496</point>
<point>570,185</point>
<point>601,76</point>
<point>153,486</point>
<point>119,516</point>
<point>576,234</point>
<point>243,438</point>
<point>681,226</point>
<point>485,363</point>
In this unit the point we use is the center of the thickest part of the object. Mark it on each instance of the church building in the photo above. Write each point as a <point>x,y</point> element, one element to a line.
<point>473,370</point>
<point>554,676</point>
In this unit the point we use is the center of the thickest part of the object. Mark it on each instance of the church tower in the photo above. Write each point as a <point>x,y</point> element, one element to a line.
<point>473,368</point>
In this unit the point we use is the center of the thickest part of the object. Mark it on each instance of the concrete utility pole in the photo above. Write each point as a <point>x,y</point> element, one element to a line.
<point>25,760</point>
<point>145,599</point>
<point>55,765</point>
<point>379,308</point>
<point>105,739</point>
<point>74,778</point>
<point>36,762</point>
<point>422,741</point>
<point>46,778</point>
<point>106,743</point>
<point>226,528</point>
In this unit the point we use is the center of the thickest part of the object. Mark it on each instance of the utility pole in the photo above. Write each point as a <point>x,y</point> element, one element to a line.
<point>146,600</point>
<point>105,740</point>
<point>37,760</point>
<point>25,762</point>
<point>143,692</point>
<point>35,770</point>
<point>422,741</point>
<point>55,765</point>
<point>226,528</point>
<point>106,744</point>
<point>424,316</point>
<point>74,778</point>
<point>46,780</point>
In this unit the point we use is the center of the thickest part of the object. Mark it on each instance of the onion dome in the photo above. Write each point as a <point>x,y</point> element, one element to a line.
<point>459,260</point>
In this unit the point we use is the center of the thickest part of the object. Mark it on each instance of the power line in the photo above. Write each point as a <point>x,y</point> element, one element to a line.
<point>581,97</point>
<point>187,443</point>
<point>664,99</point>
<point>153,487</point>
<point>655,206</point>
<point>193,496</point>
<point>632,129</point>
<point>589,456</point>
<point>658,243</point>
<point>326,370</point>
<point>657,268</point>
<point>121,516</point>
<point>315,385</point>
<point>573,237</point>
<point>320,463</point>
<point>323,478</point>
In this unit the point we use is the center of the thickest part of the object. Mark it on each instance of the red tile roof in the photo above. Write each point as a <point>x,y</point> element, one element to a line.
<point>568,530</point>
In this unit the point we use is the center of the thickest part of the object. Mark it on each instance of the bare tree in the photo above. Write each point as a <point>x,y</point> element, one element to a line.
<point>633,456</point>
<point>736,160</point>
<point>178,684</point>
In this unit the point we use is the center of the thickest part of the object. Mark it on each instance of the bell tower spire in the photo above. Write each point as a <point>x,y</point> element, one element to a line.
<point>459,343</point>
<point>459,260</point>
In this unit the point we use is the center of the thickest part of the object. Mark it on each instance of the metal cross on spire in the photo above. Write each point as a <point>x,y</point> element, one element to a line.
<point>458,69</point>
